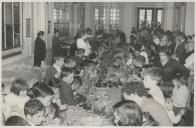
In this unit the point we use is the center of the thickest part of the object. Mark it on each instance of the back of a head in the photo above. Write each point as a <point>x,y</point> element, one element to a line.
<point>137,47</point>
<point>166,50</point>
<point>16,121</point>
<point>78,80</point>
<point>80,34</point>
<point>70,60</point>
<point>40,90</point>
<point>33,107</point>
<point>134,88</point>
<point>181,34</point>
<point>183,79</point>
<point>18,85</point>
<point>129,112</point>
<point>66,72</point>
<point>153,72</point>
<point>139,61</point>
<point>54,82</point>
<point>57,58</point>
<point>89,31</point>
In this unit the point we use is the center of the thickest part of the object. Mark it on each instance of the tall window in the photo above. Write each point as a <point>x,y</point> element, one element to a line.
<point>106,17</point>
<point>148,17</point>
<point>11,24</point>
<point>114,17</point>
<point>62,17</point>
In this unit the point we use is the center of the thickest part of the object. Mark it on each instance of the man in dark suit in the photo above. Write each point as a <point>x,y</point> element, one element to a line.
<point>179,49</point>
<point>56,46</point>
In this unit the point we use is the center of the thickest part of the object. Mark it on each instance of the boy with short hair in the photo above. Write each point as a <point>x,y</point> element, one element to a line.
<point>13,102</point>
<point>136,92</point>
<point>34,111</point>
<point>135,68</point>
<point>55,69</point>
<point>152,76</point>
<point>180,93</point>
<point>16,121</point>
<point>66,94</point>
<point>70,62</point>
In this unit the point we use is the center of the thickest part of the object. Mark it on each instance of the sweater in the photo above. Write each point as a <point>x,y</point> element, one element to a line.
<point>50,72</point>
<point>66,94</point>
<point>170,68</point>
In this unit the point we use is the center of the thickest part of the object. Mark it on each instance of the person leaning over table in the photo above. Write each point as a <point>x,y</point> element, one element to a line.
<point>81,43</point>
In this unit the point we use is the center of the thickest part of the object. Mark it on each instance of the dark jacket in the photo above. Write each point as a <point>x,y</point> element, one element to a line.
<point>170,69</point>
<point>180,51</point>
<point>39,51</point>
<point>50,72</point>
<point>66,94</point>
<point>56,47</point>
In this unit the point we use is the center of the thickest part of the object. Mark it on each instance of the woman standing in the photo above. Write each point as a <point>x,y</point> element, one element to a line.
<point>83,43</point>
<point>40,49</point>
<point>169,69</point>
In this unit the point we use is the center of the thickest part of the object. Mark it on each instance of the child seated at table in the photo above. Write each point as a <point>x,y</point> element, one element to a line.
<point>80,56</point>
<point>13,102</point>
<point>77,90</point>
<point>135,68</point>
<point>180,93</point>
<point>77,83</point>
<point>175,118</point>
<point>70,62</point>
<point>16,121</point>
<point>130,57</point>
<point>55,69</point>
<point>128,113</point>
<point>152,77</point>
<point>66,94</point>
<point>45,94</point>
<point>34,111</point>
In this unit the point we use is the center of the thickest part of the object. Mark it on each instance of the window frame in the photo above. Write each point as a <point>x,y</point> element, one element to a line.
<point>108,16</point>
<point>154,14</point>
<point>6,53</point>
<point>63,19</point>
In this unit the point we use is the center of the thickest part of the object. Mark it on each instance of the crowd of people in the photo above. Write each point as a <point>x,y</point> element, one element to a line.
<point>157,88</point>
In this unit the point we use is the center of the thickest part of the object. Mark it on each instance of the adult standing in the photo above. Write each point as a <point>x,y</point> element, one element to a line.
<point>40,49</point>
<point>56,46</point>
<point>82,43</point>
<point>179,49</point>
<point>169,68</point>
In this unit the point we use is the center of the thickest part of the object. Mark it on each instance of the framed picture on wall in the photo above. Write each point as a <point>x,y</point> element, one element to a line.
<point>28,27</point>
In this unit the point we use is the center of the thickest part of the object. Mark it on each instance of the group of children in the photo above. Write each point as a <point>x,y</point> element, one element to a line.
<point>162,90</point>
<point>68,80</point>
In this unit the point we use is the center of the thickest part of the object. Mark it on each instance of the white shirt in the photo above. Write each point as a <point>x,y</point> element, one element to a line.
<point>145,55</point>
<point>189,62</point>
<point>157,95</point>
<point>82,44</point>
<point>129,61</point>
<point>180,96</point>
<point>14,105</point>
<point>173,118</point>
<point>58,68</point>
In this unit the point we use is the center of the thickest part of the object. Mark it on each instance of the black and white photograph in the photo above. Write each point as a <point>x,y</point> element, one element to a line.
<point>97,63</point>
